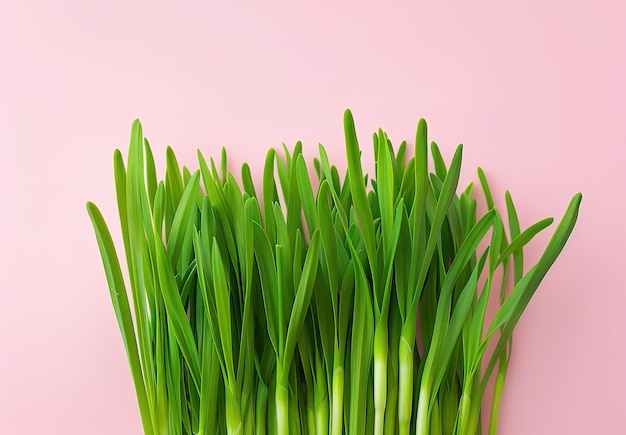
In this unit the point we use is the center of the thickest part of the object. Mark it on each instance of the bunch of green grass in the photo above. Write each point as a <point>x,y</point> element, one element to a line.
<point>300,310</point>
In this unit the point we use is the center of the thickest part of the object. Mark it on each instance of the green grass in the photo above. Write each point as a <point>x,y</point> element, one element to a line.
<point>301,310</point>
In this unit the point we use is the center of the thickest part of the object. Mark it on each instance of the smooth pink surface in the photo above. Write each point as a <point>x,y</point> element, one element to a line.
<point>534,89</point>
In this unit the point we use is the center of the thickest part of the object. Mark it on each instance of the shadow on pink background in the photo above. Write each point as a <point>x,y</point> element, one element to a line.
<point>535,90</point>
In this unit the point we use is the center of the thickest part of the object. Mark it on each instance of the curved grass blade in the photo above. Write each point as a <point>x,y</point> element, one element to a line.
<point>359,195</point>
<point>177,316</point>
<point>121,307</point>
<point>302,298</point>
<point>511,310</point>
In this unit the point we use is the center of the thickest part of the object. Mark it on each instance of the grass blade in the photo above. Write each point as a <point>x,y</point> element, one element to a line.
<point>122,309</point>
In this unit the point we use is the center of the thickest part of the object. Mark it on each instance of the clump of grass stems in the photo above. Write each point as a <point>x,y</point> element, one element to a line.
<point>298,309</point>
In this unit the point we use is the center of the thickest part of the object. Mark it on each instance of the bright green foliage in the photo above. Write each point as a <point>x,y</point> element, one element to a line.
<point>303,310</point>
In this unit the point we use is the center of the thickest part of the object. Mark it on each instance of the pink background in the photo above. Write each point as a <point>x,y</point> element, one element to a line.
<point>534,89</point>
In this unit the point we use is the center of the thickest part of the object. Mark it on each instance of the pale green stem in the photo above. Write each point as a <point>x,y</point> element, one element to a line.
<point>497,396</point>
<point>381,349</point>
<point>321,417</point>
<point>464,414</point>
<point>405,381</point>
<point>321,400</point>
<point>391,411</point>
<point>337,400</point>
<point>282,409</point>
<point>473,421</point>
<point>234,423</point>
<point>298,421</point>
<point>310,410</point>
<point>247,413</point>
<point>249,420</point>
<point>422,412</point>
